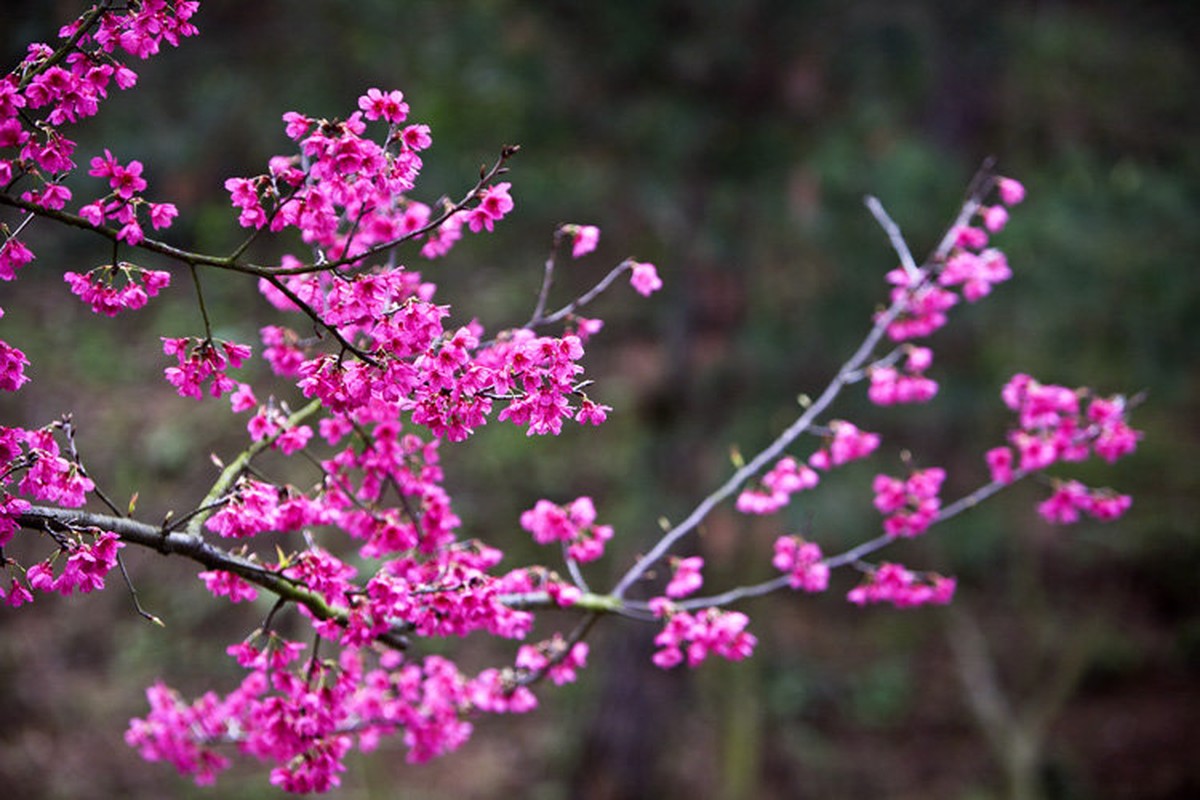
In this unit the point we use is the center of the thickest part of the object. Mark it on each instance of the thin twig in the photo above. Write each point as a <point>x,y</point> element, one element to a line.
<point>77,460</point>
<point>547,280</point>
<point>573,568</point>
<point>200,303</point>
<point>894,236</point>
<point>133,595</point>
<point>583,299</point>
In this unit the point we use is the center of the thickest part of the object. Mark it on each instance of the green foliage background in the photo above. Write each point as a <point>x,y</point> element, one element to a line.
<point>730,143</point>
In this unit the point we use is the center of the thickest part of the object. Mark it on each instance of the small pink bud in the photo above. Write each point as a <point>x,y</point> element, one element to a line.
<point>1011,191</point>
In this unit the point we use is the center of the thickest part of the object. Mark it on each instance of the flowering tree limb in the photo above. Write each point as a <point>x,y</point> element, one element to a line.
<point>386,384</point>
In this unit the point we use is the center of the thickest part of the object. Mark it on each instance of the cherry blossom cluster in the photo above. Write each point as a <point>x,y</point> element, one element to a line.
<point>1071,497</point>
<point>226,584</point>
<point>803,563</point>
<point>68,85</point>
<point>909,506</point>
<point>922,294</point>
<point>1057,424</point>
<point>48,475</point>
<point>573,524</point>
<point>12,367</point>
<point>200,361</point>
<point>255,507</point>
<point>685,576</point>
<point>13,255</point>
<point>845,443</point>
<point>55,87</point>
<point>692,638</point>
<point>51,89</point>
<point>347,193</point>
<point>922,302</point>
<point>123,203</point>
<point>538,375</point>
<point>976,272</point>
<point>449,380</point>
<point>303,715</point>
<point>1054,425</point>
<point>88,563</point>
<point>890,385</point>
<point>787,477</point>
<point>366,467</point>
<point>559,661</point>
<point>893,584</point>
<point>100,290</point>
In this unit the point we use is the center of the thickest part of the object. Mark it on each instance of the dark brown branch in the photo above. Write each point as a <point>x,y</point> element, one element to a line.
<point>147,244</point>
<point>194,547</point>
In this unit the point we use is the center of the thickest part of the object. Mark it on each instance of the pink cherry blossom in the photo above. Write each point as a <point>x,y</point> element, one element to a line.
<point>10,508</point>
<point>923,305</point>
<point>573,524</point>
<point>494,204</point>
<point>685,577</point>
<point>1011,191</point>
<point>18,594</point>
<point>554,658</point>
<point>388,106</point>
<point>13,255</point>
<point>584,239</point>
<point>1069,498</point>
<point>787,477</point>
<point>99,288</point>
<point>12,367</point>
<point>847,444</point>
<point>975,272</point>
<point>994,218</point>
<point>201,361</point>
<point>416,137</point>
<point>971,238</point>
<point>893,584</point>
<point>644,278</point>
<point>88,565</point>
<point>693,637</point>
<point>909,506</point>
<point>1000,464</point>
<point>802,561</point>
<point>226,584</point>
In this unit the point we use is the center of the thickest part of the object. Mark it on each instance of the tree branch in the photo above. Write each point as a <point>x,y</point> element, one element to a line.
<point>193,546</point>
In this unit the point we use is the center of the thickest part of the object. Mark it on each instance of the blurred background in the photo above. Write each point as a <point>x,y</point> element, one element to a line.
<point>732,145</point>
